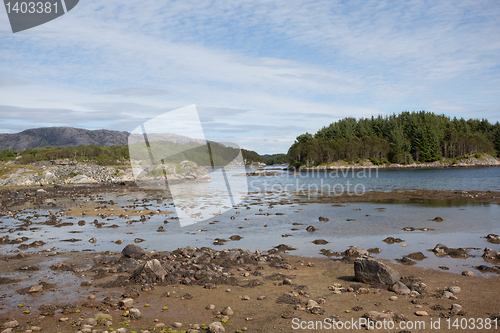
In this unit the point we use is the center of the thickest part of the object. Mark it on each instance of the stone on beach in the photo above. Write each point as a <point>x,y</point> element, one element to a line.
<point>133,251</point>
<point>371,271</point>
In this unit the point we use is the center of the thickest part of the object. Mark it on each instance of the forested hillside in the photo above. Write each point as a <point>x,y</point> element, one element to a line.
<point>399,138</point>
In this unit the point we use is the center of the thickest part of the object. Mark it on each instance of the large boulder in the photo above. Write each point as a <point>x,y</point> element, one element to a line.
<point>133,251</point>
<point>371,271</point>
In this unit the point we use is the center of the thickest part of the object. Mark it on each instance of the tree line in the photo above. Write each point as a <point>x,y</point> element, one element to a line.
<point>120,155</point>
<point>399,138</point>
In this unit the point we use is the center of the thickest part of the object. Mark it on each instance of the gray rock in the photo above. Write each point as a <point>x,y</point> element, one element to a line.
<point>227,311</point>
<point>135,313</point>
<point>400,289</point>
<point>491,254</point>
<point>11,324</point>
<point>154,269</point>
<point>126,303</point>
<point>133,251</point>
<point>355,251</point>
<point>370,271</point>
<point>447,294</point>
<point>454,289</point>
<point>379,316</point>
<point>468,273</point>
<point>90,321</point>
<point>216,327</point>
<point>456,308</point>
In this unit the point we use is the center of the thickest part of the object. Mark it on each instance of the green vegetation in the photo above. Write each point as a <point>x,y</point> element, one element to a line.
<point>403,138</point>
<point>120,155</point>
<point>276,159</point>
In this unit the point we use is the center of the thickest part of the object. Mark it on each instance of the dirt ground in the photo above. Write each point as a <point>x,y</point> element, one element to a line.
<point>187,304</point>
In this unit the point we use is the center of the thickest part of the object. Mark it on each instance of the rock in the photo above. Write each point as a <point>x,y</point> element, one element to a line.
<point>133,251</point>
<point>288,315</point>
<point>210,307</point>
<point>355,251</point>
<point>393,298</point>
<point>126,303</point>
<point>246,298</point>
<point>227,311</point>
<point>456,308</point>
<point>443,250</point>
<point>36,289</point>
<point>363,291</point>
<point>287,281</point>
<point>421,313</point>
<point>320,242</point>
<point>135,314</point>
<point>392,240</point>
<point>90,321</point>
<point>467,273</point>
<point>311,229</point>
<point>260,298</point>
<point>311,303</point>
<point>400,289</point>
<point>177,324</point>
<point>447,294</point>
<point>153,270</point>
<point>11,324</point>
<point>216,327</point>
<point>370,271</point>
<point>317,310</point>
<point>438,219</point>
<point>414,293</point>
<point>493,238</point>
<point>416,256</point>
<point>491,254</point>
<point>323,219</point>
<point>121,330</point>
<point>454,289</point>
<point>379,316</point>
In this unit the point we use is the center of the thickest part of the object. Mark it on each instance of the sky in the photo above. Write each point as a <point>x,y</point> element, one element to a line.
<point>259,72</point>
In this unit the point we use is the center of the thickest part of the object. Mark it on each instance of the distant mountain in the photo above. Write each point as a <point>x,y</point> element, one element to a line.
<point>74,137</point>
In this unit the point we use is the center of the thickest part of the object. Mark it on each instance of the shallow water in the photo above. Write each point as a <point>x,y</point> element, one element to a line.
<point>361,224</point>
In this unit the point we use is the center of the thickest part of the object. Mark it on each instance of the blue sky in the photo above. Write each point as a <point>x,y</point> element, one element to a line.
<point>260,72</point>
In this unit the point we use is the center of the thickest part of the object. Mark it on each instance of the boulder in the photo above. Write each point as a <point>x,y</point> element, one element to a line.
<point>133,251</point>
<point>371,271</point>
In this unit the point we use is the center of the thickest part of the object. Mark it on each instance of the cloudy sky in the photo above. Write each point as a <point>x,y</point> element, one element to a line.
<point>259,72</point>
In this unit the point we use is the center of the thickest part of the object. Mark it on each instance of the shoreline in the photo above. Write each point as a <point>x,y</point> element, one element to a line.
<point>269,294</point>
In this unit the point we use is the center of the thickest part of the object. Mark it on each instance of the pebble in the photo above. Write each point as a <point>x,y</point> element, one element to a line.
<point>227,311</point>
<point>216,327</point>
<point>456,308</point>
<point>260,298</point>
<point>245,298</point>
<point>210,307</point>
<point>393,298</point>
<point>63,319</point>
<point>467,273</point>
<point>454,289</point>
<point>177,324</point>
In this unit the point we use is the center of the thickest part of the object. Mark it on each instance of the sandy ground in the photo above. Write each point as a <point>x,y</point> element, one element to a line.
<point>187,304</point>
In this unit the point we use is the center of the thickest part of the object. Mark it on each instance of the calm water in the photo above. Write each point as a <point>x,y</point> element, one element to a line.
<point>263,226</point>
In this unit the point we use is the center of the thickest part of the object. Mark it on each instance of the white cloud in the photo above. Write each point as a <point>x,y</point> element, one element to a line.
<point>259,65</point>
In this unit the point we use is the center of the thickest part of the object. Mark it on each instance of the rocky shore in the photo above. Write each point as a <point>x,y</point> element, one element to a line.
<point>61,172</point>
<point>484,160</point>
